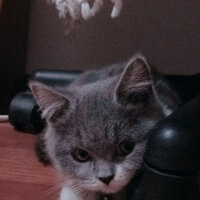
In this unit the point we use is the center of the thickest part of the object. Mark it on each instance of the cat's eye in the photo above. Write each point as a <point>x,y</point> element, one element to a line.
<point>125,148</point>
<point>81,155</point>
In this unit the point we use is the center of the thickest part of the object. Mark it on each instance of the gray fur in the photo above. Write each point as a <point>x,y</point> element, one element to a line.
<point>96,113</point>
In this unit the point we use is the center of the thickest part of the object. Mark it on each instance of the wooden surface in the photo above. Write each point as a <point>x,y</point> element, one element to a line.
<point>22,176</point>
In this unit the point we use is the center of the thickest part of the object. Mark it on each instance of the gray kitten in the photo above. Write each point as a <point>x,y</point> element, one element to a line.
<point>97,127</point>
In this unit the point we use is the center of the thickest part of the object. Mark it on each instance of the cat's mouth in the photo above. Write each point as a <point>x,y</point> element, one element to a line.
<point>113,187</point>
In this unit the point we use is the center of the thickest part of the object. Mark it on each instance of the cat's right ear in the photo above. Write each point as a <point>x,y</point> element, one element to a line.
<point>135,82</point>
<point>50,101</point>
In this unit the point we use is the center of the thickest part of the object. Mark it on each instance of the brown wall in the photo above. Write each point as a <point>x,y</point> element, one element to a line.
<point>166,32</point>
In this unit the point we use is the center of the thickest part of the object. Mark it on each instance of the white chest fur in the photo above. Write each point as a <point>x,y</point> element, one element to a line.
<point>68,194</point>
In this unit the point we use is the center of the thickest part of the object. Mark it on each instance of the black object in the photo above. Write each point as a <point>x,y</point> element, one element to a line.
<point>172,157</point>
<point>54,77</point>
<point>24,114</point>
<point>186,86</point>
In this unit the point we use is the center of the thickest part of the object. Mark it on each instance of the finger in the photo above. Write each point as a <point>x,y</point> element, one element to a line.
<point>117,8</point>
<point>73,13</point>
<point>82,1</point>
<point>62,13</point>
<point>62,9</point>
<point>74,8</point>
<point>86,11</point>
<point>98,4</point>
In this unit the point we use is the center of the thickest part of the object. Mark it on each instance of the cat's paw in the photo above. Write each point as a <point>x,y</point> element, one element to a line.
<point>68,194</point>
<point>78,9</point>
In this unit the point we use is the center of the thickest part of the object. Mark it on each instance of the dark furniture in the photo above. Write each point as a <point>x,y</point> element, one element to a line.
<point>172,157</point>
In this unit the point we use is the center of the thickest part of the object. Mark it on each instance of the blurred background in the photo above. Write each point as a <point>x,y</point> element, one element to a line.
<point>33,37</point>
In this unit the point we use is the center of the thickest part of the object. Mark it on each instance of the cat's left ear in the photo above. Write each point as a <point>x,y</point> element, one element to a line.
<point>51,102</point>
<point>135,82</point>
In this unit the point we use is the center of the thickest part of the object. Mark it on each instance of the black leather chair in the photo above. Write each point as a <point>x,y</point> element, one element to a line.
<point>172,157</point>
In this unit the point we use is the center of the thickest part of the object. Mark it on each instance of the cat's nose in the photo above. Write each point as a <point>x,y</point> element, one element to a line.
<point>106,179</point>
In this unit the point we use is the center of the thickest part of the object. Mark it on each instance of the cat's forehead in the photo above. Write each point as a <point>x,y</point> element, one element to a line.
<point>101,118</point>
<point>96,119</point>
<point>103,106</point>
<point>94,104</point>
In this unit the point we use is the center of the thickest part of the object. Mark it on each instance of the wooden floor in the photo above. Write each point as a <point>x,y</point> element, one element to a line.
<point>22,177</point>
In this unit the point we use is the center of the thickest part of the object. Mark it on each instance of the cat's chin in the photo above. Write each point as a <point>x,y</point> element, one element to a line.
<point>110,190</point>
<point>107,189</point>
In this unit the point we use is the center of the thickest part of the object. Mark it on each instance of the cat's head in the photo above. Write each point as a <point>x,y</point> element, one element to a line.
<point>96,133</point>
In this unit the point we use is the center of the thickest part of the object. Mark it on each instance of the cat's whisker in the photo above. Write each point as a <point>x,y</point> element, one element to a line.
<point>74,185</point>
<point>53,192</point>
<point>78,188</point>
<point>54,188</point>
